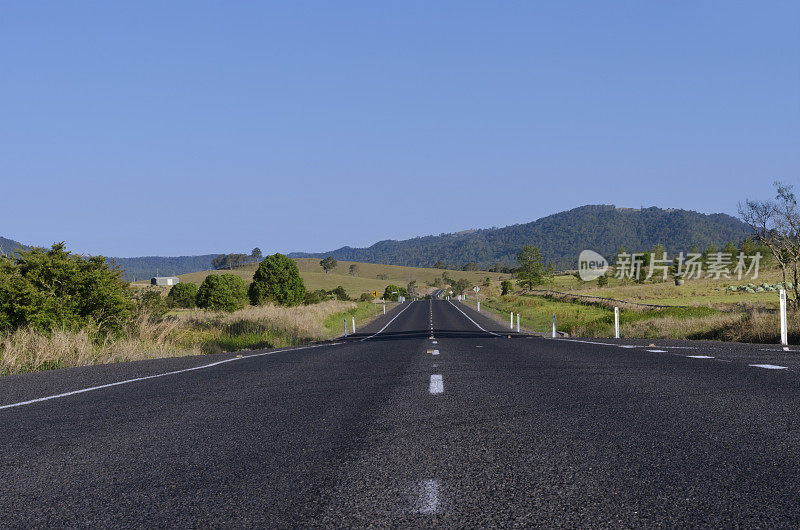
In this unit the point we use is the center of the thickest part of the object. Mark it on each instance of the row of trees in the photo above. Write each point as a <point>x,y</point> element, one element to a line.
<point>233,261</point>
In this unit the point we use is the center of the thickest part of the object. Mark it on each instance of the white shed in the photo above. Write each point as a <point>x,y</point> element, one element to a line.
<point>165,280</point>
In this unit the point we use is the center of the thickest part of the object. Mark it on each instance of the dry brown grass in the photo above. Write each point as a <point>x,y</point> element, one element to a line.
<point>187,333</point>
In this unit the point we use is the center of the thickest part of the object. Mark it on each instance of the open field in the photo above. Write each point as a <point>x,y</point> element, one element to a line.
<point>366,281</point>
<point>693,292</point>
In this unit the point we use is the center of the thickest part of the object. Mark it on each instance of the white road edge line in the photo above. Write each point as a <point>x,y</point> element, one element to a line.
<point>154,376</point>
<point>387,324</point>
<point>437,385</point>
<point>769,366</point>
<point>479,326</point>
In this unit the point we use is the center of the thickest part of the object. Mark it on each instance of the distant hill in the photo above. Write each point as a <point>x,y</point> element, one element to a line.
<point>7,246</point>
<point>146,267</point>
<point>560,237</point>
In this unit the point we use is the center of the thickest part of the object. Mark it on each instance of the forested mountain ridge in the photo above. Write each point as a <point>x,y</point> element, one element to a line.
<point>560,237</point>
<point>8,246</point>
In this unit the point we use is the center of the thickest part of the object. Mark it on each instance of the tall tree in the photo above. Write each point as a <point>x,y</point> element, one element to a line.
<point>531,269</point>
<point>353,270</point>
<point>277,280</point>
<point>256,253</point>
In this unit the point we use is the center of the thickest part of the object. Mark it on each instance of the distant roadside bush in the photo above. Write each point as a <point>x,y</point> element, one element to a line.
<point>222,292</point>
<point>391,292</point>
<point>151,304</point>
<point>507,287</point>
<point>365,297</point>
<point>340,294</point>
<point>277,280</point>
<point>48,289</point>
<point>182,295</point>
<point>315,297</point>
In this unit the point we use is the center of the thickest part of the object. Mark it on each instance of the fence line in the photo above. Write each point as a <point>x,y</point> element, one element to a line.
<point>589,297</point>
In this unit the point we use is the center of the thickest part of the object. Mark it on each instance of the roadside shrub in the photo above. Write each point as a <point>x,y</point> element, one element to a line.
<point>315,297</point>
<point>340,294</point>
<point>387,293</point>
<point>48,289</point>
<point>365,297</point>
<point>182,295</point>
<point>222,292</point>
<point>151,304</point>
<point>507,287</point>
<point>277,280</point>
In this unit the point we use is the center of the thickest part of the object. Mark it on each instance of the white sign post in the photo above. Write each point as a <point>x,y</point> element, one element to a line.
<point>616,322</point>
<point>784,331</point>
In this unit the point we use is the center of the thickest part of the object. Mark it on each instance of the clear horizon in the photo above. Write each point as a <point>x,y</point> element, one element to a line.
<point>190,129</point>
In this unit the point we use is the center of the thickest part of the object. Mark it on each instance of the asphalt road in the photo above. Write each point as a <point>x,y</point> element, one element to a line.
<point>475,427</point>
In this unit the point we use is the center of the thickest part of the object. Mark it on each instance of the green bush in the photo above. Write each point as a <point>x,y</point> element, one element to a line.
<point>151,303</point>
<point>315,297</point>
<point>507,287</point>
<point>222,292</point>
<point>54,288</point>
<point>387,293</point>
<point>182,295</point>
<point>277,280</point>
<point>340,294</point>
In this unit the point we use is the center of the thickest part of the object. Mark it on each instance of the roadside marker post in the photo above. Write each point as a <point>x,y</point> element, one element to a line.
<point>512,321</point>
<point>554,325</point>
<point>345,327</point>
<point>784,331</point>
<point>517,322</point>
<point>479,307</point>
<point>616,322</point>
<point>384,308</point>
<point>354,325</point>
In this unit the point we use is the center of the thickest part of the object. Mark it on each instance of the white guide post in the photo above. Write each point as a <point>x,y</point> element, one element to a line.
<point>784,331</point>
<point>517,322</point>
<point>345,327</point>
<point>554,325</point>
<point>512,320</point>
<point>384,308</point>
<point>616,322</point>
<point>354,325</point>
<point>479,307</point>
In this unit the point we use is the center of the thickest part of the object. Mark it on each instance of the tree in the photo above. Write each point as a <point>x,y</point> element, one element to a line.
<point>506,287</point>
<point>439,265</point>
<point>328,264</point>
<point>471,266</point>
<point>53,288</point>
<point>256,253</point>
<point>602,281</point>
<point>776,225</point>
<point>391,292</point>
<point>531,269</point>
<point>182,295</point>
<point>353,270</point>
<point>277,280</point>
<point>222,292</point>
<point>412,286</point>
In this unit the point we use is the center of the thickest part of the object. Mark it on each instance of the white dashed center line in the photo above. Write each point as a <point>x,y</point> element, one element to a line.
<point>435,352</point>
<point>768,366</point>
<point>657,351</point>
<point>428,498</point>
<point>437,385</point>
<point>699,356</point>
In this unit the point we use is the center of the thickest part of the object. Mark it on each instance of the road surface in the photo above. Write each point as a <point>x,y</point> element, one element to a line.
<point>475,427</point>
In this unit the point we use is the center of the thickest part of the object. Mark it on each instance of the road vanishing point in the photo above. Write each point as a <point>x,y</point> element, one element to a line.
<point>432,415</point>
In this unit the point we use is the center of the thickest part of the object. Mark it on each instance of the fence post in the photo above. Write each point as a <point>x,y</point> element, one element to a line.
<point>554,325</point>
<point>616,322</point>
<point>784,331</point>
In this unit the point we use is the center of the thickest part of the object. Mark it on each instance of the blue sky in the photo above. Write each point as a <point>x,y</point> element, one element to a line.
<point>167,128</point>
